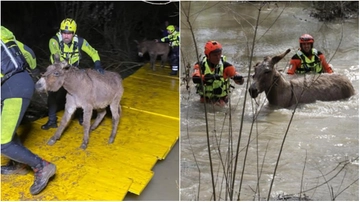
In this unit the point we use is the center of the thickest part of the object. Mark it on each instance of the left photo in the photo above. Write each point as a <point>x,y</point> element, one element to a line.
<point>90,101</point>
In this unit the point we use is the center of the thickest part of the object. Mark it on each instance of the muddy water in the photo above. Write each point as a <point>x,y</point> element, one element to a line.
<point>321,148</point>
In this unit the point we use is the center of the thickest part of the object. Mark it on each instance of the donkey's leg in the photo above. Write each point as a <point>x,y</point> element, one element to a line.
<point>69,111</point>
<point>163,60</point>
<point>115,108</point>
<point>87,118</point>
<point>100,115</point>
<point>152,61</point>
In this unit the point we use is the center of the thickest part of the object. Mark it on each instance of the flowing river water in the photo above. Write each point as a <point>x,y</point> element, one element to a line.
<point>320,154</point>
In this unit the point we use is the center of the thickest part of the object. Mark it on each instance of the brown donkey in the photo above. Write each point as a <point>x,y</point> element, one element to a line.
<point>153,49</point>
<point>307,89</point>
<point>86,89</point>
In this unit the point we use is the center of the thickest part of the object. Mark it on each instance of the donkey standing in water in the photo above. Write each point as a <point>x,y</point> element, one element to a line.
<point>307,89</point>
<point>154,49</point>
<point>86,89</point>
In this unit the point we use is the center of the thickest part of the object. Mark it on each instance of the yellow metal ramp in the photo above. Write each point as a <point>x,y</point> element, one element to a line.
<point>148,129</point>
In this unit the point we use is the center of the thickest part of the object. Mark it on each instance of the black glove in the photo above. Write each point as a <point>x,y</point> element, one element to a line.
<point>196,79</point>
<point>98,67</point>
<point>237,78</point>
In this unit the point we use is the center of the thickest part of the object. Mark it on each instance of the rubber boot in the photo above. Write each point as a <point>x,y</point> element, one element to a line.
<point>13,167</point>
<point>43,172</point>
<point>49,124</point>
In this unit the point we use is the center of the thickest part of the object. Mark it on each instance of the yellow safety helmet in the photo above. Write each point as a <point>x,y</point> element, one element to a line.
<point>6,35</point>
<point>170,28</point>
<point>68,26</point>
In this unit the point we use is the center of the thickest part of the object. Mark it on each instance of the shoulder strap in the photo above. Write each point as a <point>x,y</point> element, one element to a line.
<point>80,41</point>
<point>60,42</point>
<point>316,54</point>
<point>75,46</point>
<point>202,64</point>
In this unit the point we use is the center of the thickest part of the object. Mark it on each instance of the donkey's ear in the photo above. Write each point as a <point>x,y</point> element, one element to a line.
<point>277,58</point>
<point>57,58</point>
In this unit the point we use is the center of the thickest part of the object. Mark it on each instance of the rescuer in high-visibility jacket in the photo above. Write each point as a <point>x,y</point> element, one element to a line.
<point>173,38</point>
<point>216,72</point>
<point>308,59</point>
<point>68,46</point>
<point>17,88</point>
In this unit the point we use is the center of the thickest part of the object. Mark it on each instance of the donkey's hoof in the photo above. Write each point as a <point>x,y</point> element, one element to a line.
<point>51,141</point>
<point>111,140</point>
<point>83,146</point>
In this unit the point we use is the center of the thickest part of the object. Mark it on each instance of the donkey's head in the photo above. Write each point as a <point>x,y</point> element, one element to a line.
<point>142,47</point>
<point>53,78</point>
<point>264,74</point>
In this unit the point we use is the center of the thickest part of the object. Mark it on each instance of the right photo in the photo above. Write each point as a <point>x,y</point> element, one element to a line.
<point>269,101</point>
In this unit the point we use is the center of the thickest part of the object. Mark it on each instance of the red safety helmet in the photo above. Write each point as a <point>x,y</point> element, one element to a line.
<point>211,46</point>
<point>306,38</point>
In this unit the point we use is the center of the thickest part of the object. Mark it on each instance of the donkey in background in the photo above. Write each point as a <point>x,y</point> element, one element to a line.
<point>154,49</point>
<point>307,89</point>
<point>86,89</point>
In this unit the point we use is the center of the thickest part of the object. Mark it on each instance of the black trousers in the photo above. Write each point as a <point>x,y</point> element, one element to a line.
<point>174,57</point>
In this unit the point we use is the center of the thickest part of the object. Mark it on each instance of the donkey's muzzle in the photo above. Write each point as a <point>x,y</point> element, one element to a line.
<point>40,85</point>
<point>253,92</point>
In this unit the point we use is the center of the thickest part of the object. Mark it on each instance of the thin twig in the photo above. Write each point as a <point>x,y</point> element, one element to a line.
<point>242,116</point>
<point>302,175</point>
<point>187,17</point>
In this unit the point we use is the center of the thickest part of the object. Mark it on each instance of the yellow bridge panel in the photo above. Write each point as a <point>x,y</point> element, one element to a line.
<point>148,129</point>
